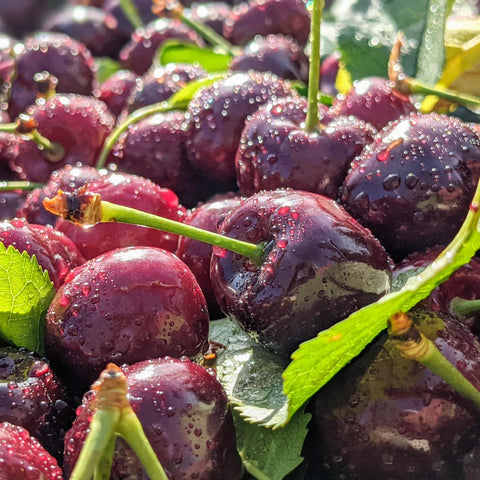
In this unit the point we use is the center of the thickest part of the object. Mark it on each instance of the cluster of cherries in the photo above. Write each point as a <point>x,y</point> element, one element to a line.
<point>340,201</point>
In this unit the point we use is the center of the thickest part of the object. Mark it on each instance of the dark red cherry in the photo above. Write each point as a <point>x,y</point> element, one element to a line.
<point>10,202</point>
<point>68,60</point>
<point>125,306</point>
<point>32,396</point>
<point>21,17</point>
<point>197,255</point>
<point>116,90</point>
<point>278,54</point>
<point>131,191</point>
<point>92,26</point>
<point>155,148</point>
<point>185,414</point>
<point>319,266</point>
<point>288,17</point>
<point>276,150</point>
<point>374,100</point>
<point>54,251</point>
<point>385,416</point>
<point>217,115</point>
<point>138,53</point>
<point>79,123</point>
<point>413,185</point>
<point>212,14</point>
<point>23,458</point>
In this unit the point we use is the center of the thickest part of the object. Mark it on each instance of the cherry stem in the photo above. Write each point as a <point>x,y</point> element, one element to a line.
<point>134,117</point>
<point>131,430</point>
<point>131,12</point>
<point>18,185</point>
<point>312,120</point>
<point>413,344</point>
<point>120,213</point>
<point>462,307</point>
<point>104,467</point>
<point>409,86</point>
<point>9,127</point>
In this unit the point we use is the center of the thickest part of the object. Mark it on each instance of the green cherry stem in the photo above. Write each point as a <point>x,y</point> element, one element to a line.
<point>119,213</point>
<point>312,120</point>
<point>131,12</point>
<point>462,307</point>
<point>89,209</point>
<point>18,185</point>
<point>9,127</point>
<point>104,466</point>
<point>130,429</point>
<point>413,344</point>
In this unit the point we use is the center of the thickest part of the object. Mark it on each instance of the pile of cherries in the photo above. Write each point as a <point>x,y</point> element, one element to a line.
<point>341,208</point>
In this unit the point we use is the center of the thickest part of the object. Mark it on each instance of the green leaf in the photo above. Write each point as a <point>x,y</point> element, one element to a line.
<point>367,30</point>
<point>180,100</point>
<point>271,454</point>
<point>250,374</point>
<point>318,360</point>
<point>25,294</point>
<point>173,51</point>
<point>106,67</point>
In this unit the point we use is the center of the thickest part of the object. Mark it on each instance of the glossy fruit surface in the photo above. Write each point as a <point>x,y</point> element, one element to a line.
<point>128,305</point>
<point>413,185</point>
<point>185,415</point>
<point>319,266</point>
<point>385,416</point>
<point>23,458</point>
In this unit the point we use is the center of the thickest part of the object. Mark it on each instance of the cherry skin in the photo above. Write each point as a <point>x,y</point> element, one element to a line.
<point>288,17</point>
<point>79,123</point>
<point>197,255</point>
<point>116,90</point>
<point>276,151</point>
<point>125,306</point>
<point>32,396</point>
<point>413,185</point>
<point>374,100</point>
<point>23,458</point>
<point>54,251</point>
<point>319,266</point>
<point>216,116</point>
<point>131,191</point>
<point>68,60</point>
<point>385,416</point>
<point>184,412</point>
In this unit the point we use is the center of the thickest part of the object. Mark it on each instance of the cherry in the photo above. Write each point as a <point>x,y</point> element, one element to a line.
<point>155,148</point>
<point>10,202</point>
<point>413,185</point>
<point>276,150</point>
<point>21,17</point>
<point>278,54</point>
<point>288,17</point>
<point>197,255</point>
<point>54,251</point>
<point>7,142</point>
<point>116,90</point>
<point>23,458</point>
<point>138,53</point>
<point>125,306</point>
<point>319,265</point>
<point>78,124</point>
<point>32,396</point>
<point>374,100</point>
<point>185,415</point>
<point>160,82</point>
<point>217,114</point>
<point>212,14</point>
<point>385,416</point>
<point>129,190</point>
<point>93,27</point>
<point>65,58</point>
<point>66,179</point>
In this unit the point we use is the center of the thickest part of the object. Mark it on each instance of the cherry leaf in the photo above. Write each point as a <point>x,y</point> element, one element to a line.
<point>173,51</point>
<point>318,360</point>
<point>25,294</point>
